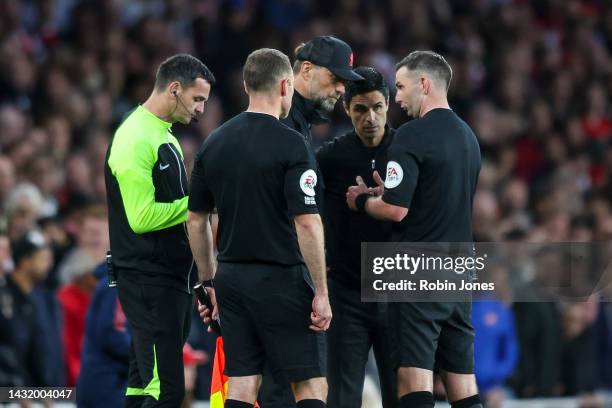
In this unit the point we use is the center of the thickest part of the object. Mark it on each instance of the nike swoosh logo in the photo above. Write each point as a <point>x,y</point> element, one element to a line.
<point>162,167</point>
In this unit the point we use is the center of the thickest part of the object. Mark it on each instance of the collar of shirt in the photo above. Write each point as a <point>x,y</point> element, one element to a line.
<point>385,140</point>
<point>308,108</point>
<point>15,290</point>
<point>262,113</point>
<point>152,119</point>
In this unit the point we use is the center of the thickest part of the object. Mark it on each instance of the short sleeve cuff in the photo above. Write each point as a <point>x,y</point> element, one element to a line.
<point>391,199</point>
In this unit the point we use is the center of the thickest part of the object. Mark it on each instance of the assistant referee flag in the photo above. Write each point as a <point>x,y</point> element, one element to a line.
<point>218,385</point>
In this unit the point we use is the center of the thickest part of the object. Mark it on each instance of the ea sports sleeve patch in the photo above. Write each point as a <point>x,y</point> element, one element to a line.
<point>402,173</point>
<point>300,182</point>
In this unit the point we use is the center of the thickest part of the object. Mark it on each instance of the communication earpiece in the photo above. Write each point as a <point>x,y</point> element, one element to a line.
<point>178,99</point>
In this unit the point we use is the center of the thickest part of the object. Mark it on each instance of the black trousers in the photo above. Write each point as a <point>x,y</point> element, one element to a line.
<point>160,320</point>
<point>356,328</point>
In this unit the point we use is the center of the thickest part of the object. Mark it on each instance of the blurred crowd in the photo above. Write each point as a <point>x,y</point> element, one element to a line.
<point>533,79</point>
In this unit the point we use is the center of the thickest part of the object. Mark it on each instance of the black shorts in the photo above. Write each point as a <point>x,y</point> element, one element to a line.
<point>264,314</point>
<point>434,336</point>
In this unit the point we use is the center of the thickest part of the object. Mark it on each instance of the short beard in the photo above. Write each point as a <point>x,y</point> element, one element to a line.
<point>327,104</point>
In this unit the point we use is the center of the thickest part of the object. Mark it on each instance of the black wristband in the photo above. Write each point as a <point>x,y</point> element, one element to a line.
<point>360,201</point>
<point>208,283</point>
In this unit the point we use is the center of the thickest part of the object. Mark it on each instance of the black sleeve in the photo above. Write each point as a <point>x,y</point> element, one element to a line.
<point>301,180</point>
<point>200,196</point>
<point>404,158</point>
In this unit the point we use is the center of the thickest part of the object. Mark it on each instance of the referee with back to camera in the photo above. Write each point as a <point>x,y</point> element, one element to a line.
<point>146,184</point>
<point>431,178</point>
<point>270,287</point>
<point>323,66</point>
<point>357,326</point>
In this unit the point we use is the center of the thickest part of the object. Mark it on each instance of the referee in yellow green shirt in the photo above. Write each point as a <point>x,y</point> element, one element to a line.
<point>146,184</point>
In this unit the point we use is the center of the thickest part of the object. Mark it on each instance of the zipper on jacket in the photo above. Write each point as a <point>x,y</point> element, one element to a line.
<point>181,168</point>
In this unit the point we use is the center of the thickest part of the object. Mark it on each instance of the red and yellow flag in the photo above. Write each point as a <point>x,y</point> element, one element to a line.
<point>219,383</point>
<point>218,386</point>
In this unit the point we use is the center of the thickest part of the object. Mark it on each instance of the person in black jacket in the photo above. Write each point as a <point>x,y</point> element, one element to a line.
<point>22,361</point>
<point>323,67</point>
<point>358,326</point>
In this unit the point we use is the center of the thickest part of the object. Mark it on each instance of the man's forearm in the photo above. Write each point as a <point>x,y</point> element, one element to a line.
<point>201,243</point>
<point>310,238</point>
<point>144,214</point>
<point>377,208</point>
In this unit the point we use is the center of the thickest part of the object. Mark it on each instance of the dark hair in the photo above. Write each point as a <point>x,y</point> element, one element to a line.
<point>27,245</point>
<point>373,81</point>
<point>263,68</point>
<point>429,62</point>
<point>184,68</point>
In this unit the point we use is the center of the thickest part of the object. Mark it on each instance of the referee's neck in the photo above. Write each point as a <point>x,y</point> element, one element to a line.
<point>429,105</point>
<point>264,105</point>
<point>159,107</point>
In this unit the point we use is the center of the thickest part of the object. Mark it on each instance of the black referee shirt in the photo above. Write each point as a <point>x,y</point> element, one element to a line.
<point>340,161</point>
<point>433,168</point>
<point>259,174</point>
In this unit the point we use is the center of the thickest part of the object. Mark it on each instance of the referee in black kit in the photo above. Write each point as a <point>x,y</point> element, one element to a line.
<point>270,287</point>
<point>429,187</point>
<point>357,326</point>
<point>322,67</point>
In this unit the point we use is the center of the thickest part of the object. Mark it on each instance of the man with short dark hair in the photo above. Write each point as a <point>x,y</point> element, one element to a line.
<point>22,363</point>
<point>146,184</point>
<point>430,182</point>
<point>357,327</point>
<point>270,285</point>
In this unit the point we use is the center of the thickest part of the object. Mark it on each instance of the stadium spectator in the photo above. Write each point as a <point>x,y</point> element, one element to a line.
<point>495,348</point>
<point>21,352</point>
<point>106,348</point>
<point>74,298</point>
